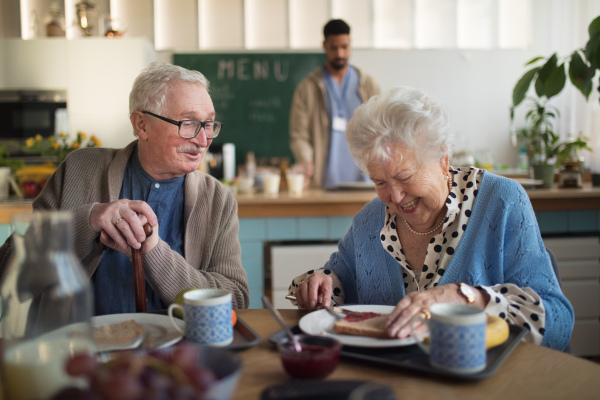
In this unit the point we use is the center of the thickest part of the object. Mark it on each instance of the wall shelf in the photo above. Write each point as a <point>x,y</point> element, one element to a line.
<point>217,25</point>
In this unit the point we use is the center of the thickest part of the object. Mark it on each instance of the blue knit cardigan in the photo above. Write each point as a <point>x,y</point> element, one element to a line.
<point>502,244</point>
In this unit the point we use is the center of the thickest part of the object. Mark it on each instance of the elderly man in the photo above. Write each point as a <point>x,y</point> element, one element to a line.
<point>322,105</point>
<point>155,179</point>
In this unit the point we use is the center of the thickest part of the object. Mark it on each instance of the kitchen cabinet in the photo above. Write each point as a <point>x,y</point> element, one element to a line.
<point>291,260</point>
<point>579,268</point>
<point>97,74</point>
<point>33,64</point>
<point>298,24</point>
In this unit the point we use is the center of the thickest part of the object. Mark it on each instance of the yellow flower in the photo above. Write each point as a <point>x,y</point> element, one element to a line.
<point>55,145</point>
<point>75,145</point>
<point>81,136</point>
<point>96,141</point>
<point>63,135</point>
<point>29,142</point>
<point>51,139</point>
<point>38,138</point>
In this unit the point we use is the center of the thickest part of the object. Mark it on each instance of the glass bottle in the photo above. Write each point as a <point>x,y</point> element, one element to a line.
<point>86,17</point>
<point>47,306</point>
<point>55,21</point>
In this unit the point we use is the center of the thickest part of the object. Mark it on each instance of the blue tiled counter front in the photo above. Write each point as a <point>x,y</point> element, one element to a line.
<point>323,215</point>
<point>254,232</point>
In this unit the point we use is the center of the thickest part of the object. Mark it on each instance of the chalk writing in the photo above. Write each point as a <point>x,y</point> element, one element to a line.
<point>245,69</point>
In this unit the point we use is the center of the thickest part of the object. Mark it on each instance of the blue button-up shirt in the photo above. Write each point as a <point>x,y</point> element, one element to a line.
<point>113,280</point>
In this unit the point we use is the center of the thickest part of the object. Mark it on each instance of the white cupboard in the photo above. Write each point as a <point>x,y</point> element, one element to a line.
<point>291,260</point>
<point>579,267</point>
<point>97,74</point>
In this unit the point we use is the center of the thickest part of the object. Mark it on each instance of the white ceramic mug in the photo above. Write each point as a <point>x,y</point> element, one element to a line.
<point>456,337</point>
<point>207,314</point>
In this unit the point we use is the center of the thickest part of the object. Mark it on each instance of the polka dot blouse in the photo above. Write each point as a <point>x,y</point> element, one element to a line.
<point>519,306</point>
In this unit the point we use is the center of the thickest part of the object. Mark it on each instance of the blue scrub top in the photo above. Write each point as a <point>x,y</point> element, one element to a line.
<point>341,99</point>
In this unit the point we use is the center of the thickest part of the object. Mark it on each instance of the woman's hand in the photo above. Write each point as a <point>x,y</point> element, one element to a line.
<point>121,225</point>
<point>315,289</point>
<point>411,305</point>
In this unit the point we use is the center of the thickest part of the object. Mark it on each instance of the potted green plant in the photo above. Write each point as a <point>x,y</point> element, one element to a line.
<point>540,141</point>
<point>548,77</point>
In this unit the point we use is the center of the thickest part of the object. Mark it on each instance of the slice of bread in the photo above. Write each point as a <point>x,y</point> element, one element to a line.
<point>373,325</point>
<point>121,332</point>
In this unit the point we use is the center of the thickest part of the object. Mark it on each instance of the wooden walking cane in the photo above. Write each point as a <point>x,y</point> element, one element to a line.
<point>139,279</point>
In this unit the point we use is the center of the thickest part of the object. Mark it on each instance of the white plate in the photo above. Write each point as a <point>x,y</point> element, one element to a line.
<point>321,323</point>
<point>159,326</point>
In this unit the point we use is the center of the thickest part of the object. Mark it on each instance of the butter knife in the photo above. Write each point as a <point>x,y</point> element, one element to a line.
<point>333,309</point>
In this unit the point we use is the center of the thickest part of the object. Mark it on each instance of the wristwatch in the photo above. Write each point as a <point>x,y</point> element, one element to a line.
<point>468,292</point>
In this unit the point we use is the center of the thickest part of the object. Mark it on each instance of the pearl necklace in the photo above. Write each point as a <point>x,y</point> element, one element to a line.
<point>438,225</point>
<point>424,233</point>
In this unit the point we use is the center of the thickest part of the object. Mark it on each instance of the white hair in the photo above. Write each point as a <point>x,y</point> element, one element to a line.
<point>152,85</point>
<point>401,115</point>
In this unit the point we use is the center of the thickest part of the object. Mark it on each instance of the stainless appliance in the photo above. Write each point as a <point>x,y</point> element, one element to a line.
<point>26,113</point>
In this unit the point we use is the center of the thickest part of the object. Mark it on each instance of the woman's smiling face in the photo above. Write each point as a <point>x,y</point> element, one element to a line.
<point>416,190</point>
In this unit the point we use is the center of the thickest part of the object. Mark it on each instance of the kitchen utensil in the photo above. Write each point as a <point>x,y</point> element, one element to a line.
<point>279,319</point>
<point>333,309</point>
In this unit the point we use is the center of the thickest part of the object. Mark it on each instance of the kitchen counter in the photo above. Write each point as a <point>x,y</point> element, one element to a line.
<point>318,203</point>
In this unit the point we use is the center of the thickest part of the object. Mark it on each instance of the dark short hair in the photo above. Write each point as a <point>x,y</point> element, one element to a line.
<point>336,27</point>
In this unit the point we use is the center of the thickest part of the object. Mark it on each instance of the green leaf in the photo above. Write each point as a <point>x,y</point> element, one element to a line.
<point>556,81</point>
<point>591,45</point>
<point>533,60</point>
<point>548,67</point>
<point>587,86</point>
<point>545,72</point>
<point>522,86</point>
<point>595,55</point>
<point>540,88</point>
<point>578,70</point>
<point>594,26</point>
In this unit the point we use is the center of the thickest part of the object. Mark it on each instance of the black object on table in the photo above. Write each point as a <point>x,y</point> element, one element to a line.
<point>317,389</point>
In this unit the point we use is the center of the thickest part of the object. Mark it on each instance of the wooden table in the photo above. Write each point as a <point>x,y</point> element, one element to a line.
<point>530,372</point>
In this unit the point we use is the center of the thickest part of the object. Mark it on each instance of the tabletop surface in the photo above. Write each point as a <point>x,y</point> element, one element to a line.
<point>530,372</point>
<point>319,203</point>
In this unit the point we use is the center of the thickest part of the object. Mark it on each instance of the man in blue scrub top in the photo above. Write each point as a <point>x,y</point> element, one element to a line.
<point>323,103</point>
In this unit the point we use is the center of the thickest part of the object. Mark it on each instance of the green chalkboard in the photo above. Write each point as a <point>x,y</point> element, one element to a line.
<point>252,94</point>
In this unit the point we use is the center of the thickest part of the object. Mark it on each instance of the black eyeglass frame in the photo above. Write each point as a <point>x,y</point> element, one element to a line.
<point>179,123</point>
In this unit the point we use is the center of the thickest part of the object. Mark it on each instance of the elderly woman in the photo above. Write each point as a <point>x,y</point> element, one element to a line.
<point>436,233</point>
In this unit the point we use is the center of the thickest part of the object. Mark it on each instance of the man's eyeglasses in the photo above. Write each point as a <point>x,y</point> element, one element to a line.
<point>188,128</point>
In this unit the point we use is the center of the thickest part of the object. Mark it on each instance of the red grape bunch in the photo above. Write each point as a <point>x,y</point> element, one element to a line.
<point>160,375</point>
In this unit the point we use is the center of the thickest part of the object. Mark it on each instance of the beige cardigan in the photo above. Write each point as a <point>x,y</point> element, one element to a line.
<point>211,244</point>
<point>309,120</point>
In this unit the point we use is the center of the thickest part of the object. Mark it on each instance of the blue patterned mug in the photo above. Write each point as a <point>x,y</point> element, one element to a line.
<point>207,314</point>
<point>456,337</point>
